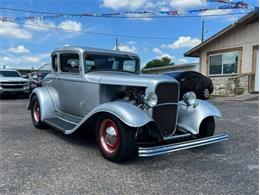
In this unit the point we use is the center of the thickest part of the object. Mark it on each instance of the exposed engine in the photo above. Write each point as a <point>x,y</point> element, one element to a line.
<point>134,95</point>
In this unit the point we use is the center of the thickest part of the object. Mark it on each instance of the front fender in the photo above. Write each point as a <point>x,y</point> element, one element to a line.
<point>126,112</point>
<point>47,109</point>
<point>191,118</point>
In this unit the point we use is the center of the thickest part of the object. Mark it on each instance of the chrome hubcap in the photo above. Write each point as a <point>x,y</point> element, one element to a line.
<point>36,112</point>
<point>110,136</point>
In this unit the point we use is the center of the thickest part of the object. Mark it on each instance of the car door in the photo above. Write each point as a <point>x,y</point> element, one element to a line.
<point>70,83</point>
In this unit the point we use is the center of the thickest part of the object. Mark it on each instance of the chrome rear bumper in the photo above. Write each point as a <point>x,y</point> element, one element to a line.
<point>164,149</point>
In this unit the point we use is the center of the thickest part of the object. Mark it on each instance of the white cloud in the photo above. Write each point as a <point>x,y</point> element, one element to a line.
<point>126,48</point>
<point>39,25</point>
<point>70,25</point>
<point>215,14</point>
<point>182,42</point>
<point>139,17</point>
<point>166,55</point>
<point>119,4</point>
<point>157,51</point>
<point>183,61</point>
<point>184,4</point>
<point>14,31</point>
<point>131,42</point>
<point>18,49</point>
<point>25,60</point>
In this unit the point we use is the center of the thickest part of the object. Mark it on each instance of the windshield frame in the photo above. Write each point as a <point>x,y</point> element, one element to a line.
<point>18,73</point>
<point>134,57</point>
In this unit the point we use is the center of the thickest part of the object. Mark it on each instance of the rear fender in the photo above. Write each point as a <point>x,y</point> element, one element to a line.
<point>191,118</point>
<point>46,105</point>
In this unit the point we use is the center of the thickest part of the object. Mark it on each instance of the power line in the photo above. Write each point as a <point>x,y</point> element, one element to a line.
<point>96,33</point>
<point>111,16</point>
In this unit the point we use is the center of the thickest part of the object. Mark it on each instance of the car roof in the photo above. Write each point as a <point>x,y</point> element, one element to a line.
<point>94,50</point>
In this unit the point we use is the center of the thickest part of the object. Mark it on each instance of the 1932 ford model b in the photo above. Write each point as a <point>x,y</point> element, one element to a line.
<point>131,113</point>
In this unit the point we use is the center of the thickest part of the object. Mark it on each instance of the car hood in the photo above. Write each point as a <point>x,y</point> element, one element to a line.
<point>12,79</point>
<point>128,79</point>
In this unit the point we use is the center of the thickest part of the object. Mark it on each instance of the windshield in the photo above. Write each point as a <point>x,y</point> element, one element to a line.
<point>96,62</point>
<point>6,73</point>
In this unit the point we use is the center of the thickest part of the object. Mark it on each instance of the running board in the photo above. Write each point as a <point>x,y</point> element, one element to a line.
<point>168,148</point>
<point>60,124</point>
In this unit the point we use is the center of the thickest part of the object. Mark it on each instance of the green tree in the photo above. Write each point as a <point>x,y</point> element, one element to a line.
<point>165,61</point>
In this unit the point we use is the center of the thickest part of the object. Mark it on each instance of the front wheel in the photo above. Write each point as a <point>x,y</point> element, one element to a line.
<point>207,127</point>
<point>115,139</point>
<point>36,113</point>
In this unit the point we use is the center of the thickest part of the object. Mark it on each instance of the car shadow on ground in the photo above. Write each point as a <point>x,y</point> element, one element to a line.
<point>13,97</point>
<point>82,137</point>
<point>87,138</point>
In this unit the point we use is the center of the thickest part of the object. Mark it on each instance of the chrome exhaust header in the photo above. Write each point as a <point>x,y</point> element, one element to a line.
<point>168,148</point>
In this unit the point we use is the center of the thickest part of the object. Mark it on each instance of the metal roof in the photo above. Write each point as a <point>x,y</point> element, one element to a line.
<point>94,50</point>
<point>194,52</point>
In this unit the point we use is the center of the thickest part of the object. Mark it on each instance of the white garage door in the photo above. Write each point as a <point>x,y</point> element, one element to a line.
<point>257,71</point>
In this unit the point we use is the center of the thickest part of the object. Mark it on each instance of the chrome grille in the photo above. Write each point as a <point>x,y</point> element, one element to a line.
<point>13,85</point>
<point>166,114</point>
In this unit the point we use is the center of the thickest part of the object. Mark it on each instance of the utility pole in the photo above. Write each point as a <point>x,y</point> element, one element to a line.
<point>117,44</point>
<point>202,31</point>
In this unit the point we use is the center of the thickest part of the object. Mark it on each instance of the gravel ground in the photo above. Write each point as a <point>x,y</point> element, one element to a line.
<point>36,161</point>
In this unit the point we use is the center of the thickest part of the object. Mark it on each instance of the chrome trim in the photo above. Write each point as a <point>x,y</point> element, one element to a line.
<point>164,149</point>
<point>176,137</point>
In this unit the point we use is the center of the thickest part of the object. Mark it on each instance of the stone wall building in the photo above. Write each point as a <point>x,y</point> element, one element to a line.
<point>230,57</point>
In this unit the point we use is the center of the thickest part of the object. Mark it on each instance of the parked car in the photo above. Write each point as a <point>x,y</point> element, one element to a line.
<point>35,79</point>
<point>201,85</point>
<point>12,82</point>
<point>130,112</point>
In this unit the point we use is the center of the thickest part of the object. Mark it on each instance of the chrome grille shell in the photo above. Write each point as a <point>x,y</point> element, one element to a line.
<point>165,113</point>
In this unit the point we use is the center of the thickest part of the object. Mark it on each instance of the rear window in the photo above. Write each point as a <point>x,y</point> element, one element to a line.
<point>9,74</point>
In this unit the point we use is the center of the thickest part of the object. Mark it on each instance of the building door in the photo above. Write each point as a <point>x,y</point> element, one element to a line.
<point>257,70</point>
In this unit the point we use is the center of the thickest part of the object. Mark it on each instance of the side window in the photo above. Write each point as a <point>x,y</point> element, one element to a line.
<point>129,65</point>
<point>69,62</point>
<point>54,63</point>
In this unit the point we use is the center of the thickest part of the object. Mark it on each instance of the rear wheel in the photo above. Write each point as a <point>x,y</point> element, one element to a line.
<point>115,139</point>
<point>207,127</point>
<point>36,113</point>
<point>205,93</point>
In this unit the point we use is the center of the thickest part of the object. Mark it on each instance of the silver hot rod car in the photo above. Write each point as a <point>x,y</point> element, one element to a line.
<point>130,112</point>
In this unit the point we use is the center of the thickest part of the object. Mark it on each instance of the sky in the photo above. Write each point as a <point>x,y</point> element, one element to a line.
<point>26,46</point>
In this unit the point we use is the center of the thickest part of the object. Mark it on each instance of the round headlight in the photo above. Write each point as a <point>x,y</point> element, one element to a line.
<point>190,99</point>
<point>151,99</point>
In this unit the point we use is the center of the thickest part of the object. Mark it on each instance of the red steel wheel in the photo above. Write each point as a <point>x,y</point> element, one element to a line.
<point>109,136</point>
<point>116,140</point>
<point>36,113</point>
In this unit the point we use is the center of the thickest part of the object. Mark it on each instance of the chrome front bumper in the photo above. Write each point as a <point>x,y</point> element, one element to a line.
<point>164,149</point>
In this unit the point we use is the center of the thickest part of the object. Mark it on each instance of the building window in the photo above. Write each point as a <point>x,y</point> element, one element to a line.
<point>223,63</point>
